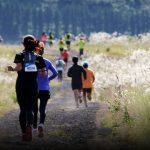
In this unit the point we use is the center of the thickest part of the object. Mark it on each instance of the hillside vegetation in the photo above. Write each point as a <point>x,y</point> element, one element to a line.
<point>60,16</point>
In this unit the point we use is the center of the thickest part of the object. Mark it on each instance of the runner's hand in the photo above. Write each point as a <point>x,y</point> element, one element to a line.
<point>10,68</point>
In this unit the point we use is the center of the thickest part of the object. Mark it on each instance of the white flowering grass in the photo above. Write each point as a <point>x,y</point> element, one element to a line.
<point>133,69</point>
<point>123,83</point>
<point>126,42</point>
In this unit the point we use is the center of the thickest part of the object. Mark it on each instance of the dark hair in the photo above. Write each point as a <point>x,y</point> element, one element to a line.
<point>41,52</point>
<point>85,65</point>
<point>75,59</point>
<point>30,42</point>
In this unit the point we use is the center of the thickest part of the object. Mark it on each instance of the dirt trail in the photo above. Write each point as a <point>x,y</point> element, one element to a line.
<point>66,126</point>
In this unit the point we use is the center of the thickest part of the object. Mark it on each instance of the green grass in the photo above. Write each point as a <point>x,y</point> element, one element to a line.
<point>109,49</point>
<point>7,97</point>
<point>129,114</point>
<point>7,86</point>
<point>9,51</point>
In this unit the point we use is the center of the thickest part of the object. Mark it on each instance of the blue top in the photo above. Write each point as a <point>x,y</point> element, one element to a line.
<point>43,81</point>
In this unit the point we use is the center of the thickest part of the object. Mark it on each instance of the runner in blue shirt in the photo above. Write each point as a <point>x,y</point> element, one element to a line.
<point>44,91</point>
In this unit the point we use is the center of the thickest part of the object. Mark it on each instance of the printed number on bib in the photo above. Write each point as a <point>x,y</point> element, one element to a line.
<point>30,67</point>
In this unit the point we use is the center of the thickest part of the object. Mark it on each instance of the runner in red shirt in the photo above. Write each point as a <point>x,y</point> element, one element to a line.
<point>65,56</point>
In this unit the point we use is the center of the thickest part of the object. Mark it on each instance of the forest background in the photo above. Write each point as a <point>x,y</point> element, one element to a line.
<point>59,16</point>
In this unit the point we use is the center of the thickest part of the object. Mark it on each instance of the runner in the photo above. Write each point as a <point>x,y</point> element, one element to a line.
<point>43,91</point>
<point>87,83</point>
<point>60,66</point>
<point>68,38</point>
<point>75,72</point>
<point>65,56</point>
<point>61,45</point>
<point>81,47</point>
<point>44,38</point>
<point>50,39</point>
<point>1,39</point>
<point>27,65</point>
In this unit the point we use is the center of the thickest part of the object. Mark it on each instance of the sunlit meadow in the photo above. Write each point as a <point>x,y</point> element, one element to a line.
<point>123,82</point>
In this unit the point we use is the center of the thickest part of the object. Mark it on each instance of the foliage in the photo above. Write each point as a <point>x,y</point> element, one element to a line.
<point>60,16</point>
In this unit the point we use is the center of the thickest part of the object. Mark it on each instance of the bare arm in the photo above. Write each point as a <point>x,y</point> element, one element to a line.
<point>93,76</point>
<point>18,67</point>
<point>69,74</point>
<point>84,74</point>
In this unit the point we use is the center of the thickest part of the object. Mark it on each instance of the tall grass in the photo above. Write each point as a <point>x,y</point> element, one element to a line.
<point>128,109</point>
<point>109,49</point>
<point>7,79</point>
<point>123,84</point>
<point>9,51</point>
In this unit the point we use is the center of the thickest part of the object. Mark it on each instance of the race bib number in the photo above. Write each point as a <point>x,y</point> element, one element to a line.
<point>29,67</point>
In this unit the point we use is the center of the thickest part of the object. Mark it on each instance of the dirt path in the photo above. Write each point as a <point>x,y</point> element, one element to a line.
<point>66,126</point>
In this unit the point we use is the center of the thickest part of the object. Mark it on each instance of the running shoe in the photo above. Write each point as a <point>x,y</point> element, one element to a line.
<point>40,130</point>
<point>28,133</point>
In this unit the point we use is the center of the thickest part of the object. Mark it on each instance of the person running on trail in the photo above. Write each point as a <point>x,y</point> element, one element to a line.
<point>75,72</point>
<point>61,45</point>
<point>1,39</point>
<point>44,38</point>
<point>81,47</point>
<point>27,65</point>
<point>60,66</point>
<point>83,36</point>
<point>68,38</point>
<point>87,83</point>
<point>43,91</point>
<point>65,56</point>
<point>50,39</point>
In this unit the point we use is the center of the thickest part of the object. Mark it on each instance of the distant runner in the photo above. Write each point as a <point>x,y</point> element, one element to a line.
<point>60,66</point>
<point>87,83</point>
<point>68,38</point>
<point>1,39</point>
<point>44,38</point>
<point>65,56</point>
<point>75,72</point>
<point>81,45</point>
<point>61,45</point>
<point>50,39</point>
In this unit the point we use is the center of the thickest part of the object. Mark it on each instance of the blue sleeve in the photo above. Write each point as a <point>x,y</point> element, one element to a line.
<point>53,70</point>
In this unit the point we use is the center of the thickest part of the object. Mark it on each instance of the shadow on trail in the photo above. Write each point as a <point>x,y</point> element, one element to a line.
<point>63,129</point>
